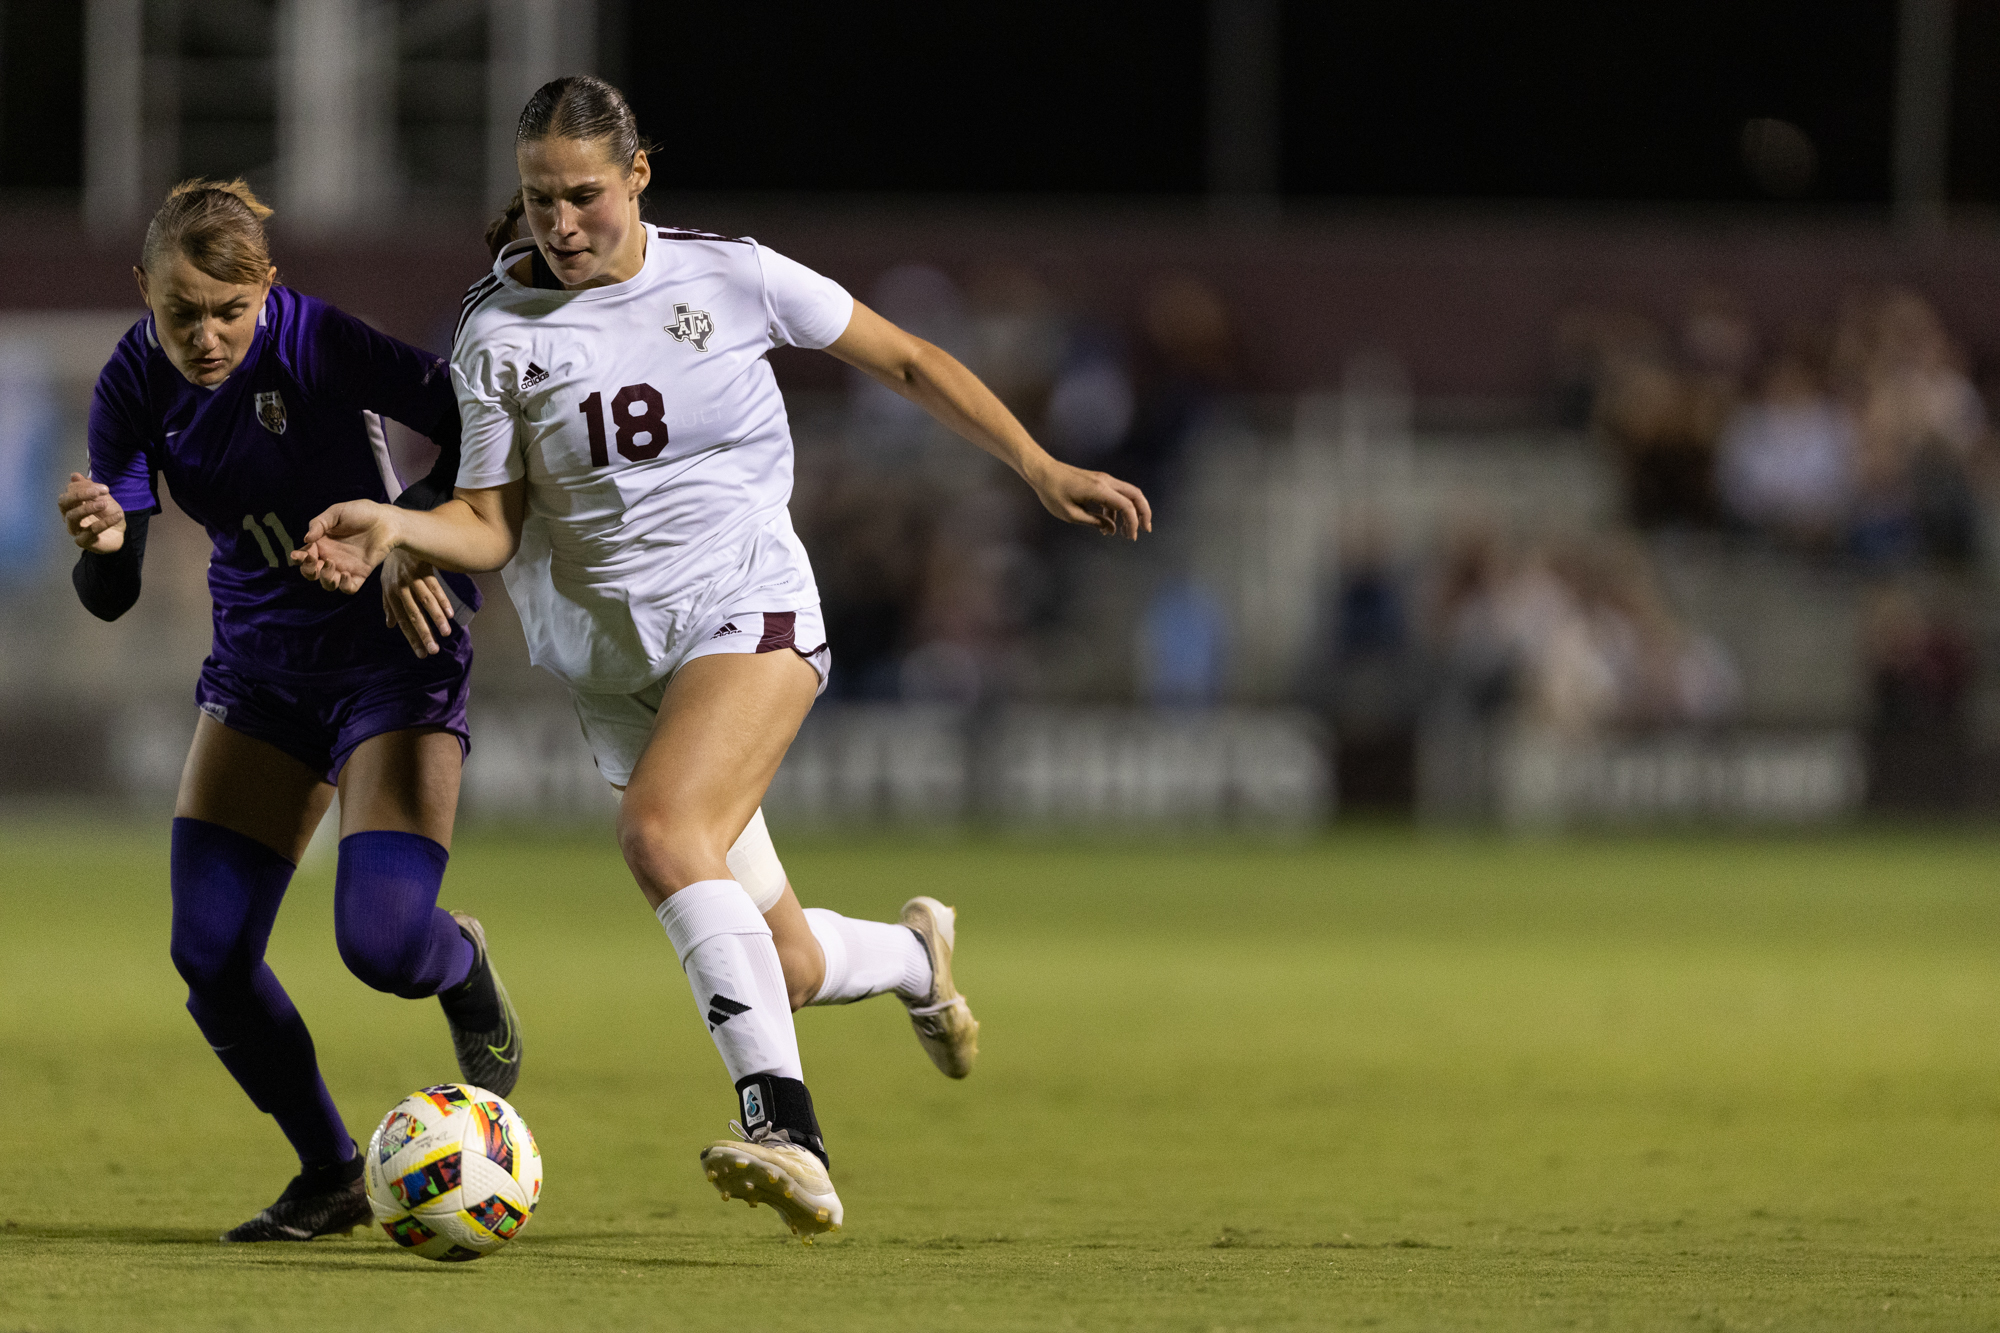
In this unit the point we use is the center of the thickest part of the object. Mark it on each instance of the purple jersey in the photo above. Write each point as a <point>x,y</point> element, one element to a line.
<point>294,429</point>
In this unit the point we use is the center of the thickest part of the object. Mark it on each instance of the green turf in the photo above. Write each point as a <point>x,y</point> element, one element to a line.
<point>1375,1081</point>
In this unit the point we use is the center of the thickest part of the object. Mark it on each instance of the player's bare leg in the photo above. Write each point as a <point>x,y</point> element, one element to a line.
<point>724,725</point>
<point>799,952</point>
<point>252,788</point>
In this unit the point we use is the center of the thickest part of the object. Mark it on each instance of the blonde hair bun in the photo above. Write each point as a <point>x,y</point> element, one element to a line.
<point>218,225</point>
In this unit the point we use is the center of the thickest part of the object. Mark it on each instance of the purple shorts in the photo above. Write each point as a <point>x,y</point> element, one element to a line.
<point>321,725</point>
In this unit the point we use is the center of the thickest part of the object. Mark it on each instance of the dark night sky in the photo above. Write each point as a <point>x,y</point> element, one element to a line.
<point>1442,99</point>
<point>1437,99</point>
<point>1446,98</point>
<point>1036,95</point>
<point>1609,102</point>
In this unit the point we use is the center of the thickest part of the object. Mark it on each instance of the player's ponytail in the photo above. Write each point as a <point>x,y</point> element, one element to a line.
<point>218,225</point>
<point>506,227</point>
<point>585,107</point>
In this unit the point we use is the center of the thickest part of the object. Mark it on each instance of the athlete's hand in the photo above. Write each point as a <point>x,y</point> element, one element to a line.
<point>1092,500</point>
<point>343,545</point>
<point>413,600</point>
<point>96,522</point>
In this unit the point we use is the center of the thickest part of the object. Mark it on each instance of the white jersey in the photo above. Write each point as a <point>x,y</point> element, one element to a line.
<point>649,426</point>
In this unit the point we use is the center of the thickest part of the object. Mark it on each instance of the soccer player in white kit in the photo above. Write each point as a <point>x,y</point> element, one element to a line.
<point>626,457</point>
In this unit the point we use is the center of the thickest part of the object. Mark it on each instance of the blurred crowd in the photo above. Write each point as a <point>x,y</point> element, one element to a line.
<point>1573,634</point>
<point>942,580</point>
<point>1860,441</point>
<point>1568,635</point>
<point>1859,445</point>
<point>1860,436</point>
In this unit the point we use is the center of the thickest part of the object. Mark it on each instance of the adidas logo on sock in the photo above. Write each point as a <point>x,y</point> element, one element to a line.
<point>726,629</point>
<point>534,376</point>
<point>721,1009</point>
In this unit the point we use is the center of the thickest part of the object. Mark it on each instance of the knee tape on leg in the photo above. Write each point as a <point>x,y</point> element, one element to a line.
<point>754,862</point>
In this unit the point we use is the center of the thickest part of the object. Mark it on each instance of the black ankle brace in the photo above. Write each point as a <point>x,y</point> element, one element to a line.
<point>776,1105</point>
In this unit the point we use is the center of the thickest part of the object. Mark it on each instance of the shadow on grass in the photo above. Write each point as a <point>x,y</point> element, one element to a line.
<point>319,1259</point>
<point>344,1252</point>
<point>110,1235</point>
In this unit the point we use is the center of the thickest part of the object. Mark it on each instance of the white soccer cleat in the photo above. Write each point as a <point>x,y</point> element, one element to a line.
<point>789,1178</point>
<point>943,1020</point>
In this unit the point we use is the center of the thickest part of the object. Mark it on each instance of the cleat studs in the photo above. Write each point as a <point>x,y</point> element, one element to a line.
<point>788,1194</point>
<point>713,1174</point>
<point>821,1214</point>
<point>773,1175</point>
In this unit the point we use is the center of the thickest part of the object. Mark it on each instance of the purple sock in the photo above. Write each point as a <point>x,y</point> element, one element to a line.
<point>391,932</point>
<point>226,890</point>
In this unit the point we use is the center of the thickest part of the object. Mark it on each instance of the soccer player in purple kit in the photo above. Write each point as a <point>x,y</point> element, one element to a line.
<point>259,406</point>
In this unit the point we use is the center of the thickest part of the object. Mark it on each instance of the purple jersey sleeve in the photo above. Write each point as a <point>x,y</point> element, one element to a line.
<point>117,431</point>
<point>353,365</point>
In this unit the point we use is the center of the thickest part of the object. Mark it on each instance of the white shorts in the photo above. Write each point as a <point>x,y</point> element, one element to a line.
<point>617,726</point>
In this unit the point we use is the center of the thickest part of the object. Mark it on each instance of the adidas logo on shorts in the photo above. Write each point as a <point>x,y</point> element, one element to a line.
<point>535,375</point>
<point>726,629</point>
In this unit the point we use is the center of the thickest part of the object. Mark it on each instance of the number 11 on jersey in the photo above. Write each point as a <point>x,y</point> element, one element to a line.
<point>271,555</point>
<point>648,421</point>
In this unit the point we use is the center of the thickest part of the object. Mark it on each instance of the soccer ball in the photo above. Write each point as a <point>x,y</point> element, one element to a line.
<point>453,1173</point>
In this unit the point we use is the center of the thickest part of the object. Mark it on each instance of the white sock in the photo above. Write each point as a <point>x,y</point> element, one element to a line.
<point>739,986</point>
<point>865,958</point>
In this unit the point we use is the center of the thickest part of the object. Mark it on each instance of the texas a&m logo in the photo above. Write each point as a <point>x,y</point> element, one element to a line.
<point>691,326</point>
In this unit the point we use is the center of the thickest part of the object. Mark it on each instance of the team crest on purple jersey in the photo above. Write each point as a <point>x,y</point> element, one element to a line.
<point>271,411</point>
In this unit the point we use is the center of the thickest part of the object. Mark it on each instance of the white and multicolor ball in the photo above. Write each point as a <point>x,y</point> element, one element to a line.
<point>453,1172</point>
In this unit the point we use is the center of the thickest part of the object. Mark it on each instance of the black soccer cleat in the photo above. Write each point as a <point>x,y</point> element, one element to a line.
<point>320,1201</point>
<point>485,1031</point>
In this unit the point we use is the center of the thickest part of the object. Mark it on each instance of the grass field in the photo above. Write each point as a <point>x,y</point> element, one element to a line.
<point>1375,1081</point>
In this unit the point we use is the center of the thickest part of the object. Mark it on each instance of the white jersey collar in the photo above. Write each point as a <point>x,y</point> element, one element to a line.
<point>514,252</point>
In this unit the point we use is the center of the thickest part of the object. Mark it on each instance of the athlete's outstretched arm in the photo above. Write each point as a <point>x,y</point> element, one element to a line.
<point>934,380</point>
<point>474,530</point>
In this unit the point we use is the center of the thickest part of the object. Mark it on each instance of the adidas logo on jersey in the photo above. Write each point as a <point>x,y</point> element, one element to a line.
<point>726,629</point>
<point>691,326</point>
<point>535,375</point>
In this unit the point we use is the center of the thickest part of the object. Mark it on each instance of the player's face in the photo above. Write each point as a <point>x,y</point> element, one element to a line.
<point>583,209</point>
<point>204,324</point>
